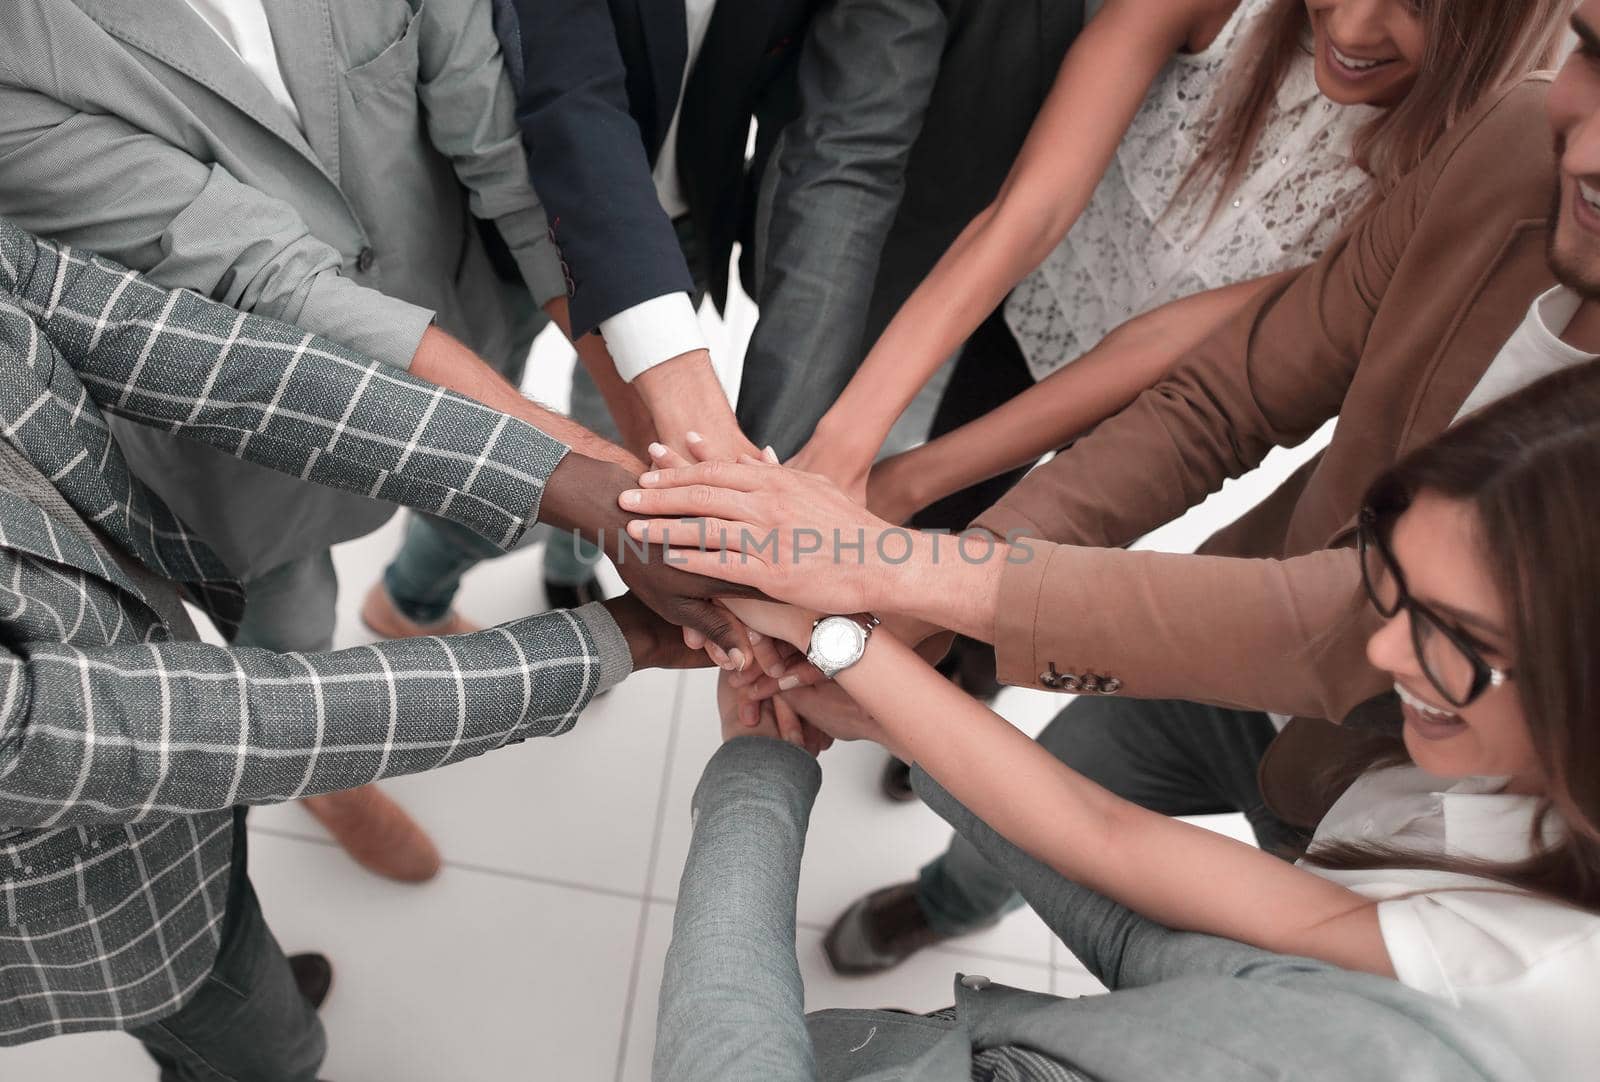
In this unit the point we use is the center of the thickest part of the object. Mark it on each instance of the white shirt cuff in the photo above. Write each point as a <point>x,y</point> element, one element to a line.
<point>649,333</point>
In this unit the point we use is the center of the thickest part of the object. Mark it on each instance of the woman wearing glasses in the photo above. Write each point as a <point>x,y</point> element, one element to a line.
<point>1463,859</point>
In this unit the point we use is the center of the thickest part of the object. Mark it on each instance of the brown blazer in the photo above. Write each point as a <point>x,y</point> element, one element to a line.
<point>1389,331</point>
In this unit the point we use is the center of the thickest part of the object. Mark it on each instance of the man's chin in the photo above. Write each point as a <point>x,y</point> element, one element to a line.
<point>1575,266</point>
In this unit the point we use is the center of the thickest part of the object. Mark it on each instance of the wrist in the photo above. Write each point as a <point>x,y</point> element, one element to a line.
<point>581,495</point>
<point>639,630</point>
<point>848,437</point>
<point>680,384</point>
<point>953,581</point>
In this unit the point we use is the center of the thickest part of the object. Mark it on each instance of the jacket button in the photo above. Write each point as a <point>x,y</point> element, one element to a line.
<point>365,260</point>
<point>976,983</point>
<point>1110,686</point>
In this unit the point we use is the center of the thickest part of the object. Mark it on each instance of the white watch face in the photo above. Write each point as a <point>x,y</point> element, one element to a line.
<point>838,641</point>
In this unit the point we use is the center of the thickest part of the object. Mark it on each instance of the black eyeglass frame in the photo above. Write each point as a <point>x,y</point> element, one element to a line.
<point>1370,539</point>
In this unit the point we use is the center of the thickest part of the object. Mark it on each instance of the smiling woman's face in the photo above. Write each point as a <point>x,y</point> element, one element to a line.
<point>1368,51</point>
<point>1436,545</point>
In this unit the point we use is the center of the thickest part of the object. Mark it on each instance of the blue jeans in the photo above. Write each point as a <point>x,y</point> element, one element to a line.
<point>248,1022</point>
<point>1174,757</point>
<point>426,573</point>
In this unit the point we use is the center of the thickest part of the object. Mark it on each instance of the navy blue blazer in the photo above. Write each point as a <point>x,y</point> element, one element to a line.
<point>598,82</point>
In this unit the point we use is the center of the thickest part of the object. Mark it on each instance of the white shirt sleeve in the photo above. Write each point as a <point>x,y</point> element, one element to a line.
<point>651,332</point>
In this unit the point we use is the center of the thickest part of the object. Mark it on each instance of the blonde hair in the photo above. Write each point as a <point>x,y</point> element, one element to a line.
<point>1473,48</point>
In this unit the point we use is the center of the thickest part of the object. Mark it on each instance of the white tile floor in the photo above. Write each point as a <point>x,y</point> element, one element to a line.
<point>538,950</point>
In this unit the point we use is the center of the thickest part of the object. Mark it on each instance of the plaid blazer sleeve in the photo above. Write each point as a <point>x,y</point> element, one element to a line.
<point>178,728</point>
<point>271,393</point>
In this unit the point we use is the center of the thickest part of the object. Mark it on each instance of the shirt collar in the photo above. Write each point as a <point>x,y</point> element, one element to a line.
<point>1483,822</point>
<point>1549,316</point>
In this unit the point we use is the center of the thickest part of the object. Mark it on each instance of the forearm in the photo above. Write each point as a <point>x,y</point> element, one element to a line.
<point>119,733</point>
<point>1286,636</point>
<point>989,257</point>
<point>732,1003</point>
<point>1180,875</point>
<point>684,395</point>
<point>627,408</point>
<point>1072,400</point>
<point>278,396</point>
<point>442,360</point>
<point>944,581</point>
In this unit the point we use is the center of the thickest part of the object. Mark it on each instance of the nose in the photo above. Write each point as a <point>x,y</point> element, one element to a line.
<point>1359,24</point>
<point>1390,647</point>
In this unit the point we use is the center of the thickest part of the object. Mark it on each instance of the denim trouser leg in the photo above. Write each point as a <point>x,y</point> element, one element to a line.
<point>291,608</point>
<point>1173,757</point>
<point>248,1022</point>
<point>424,575</point>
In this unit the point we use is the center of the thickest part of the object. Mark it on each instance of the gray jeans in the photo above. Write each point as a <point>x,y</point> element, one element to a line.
<point>1174,757</point>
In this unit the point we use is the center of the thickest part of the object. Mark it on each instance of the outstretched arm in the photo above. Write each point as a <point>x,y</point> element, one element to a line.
<point>732,1003</point>
<point>1057,410</point>
<point>1099,89</point>
<point>1176,874</point>
<point>124,733</point>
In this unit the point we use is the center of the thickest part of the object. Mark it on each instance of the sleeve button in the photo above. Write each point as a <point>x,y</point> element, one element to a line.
<point>365,260</point>
<point>1110,686</point>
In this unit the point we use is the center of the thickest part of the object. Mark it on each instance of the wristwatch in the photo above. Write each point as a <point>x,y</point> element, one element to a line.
<point>837,642</point>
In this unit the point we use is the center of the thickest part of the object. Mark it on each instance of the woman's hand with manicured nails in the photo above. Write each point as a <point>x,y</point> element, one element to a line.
<point>795,536</point>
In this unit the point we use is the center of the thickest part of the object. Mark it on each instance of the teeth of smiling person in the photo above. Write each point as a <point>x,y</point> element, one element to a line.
<point>1352,63</point>
<point>1426,709</point>
<point>1590,193</point>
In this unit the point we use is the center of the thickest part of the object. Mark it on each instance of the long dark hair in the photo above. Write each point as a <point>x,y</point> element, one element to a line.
<point>1474,47</point>
<point>1529,466</point>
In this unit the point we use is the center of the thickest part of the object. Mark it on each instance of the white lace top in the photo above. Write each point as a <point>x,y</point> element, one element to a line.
<point>1122,257</point>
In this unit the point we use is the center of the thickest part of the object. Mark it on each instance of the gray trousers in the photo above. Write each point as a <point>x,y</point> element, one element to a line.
<point>1174,757</point>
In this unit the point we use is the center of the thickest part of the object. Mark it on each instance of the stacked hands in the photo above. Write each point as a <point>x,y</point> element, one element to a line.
<point>772,538</point>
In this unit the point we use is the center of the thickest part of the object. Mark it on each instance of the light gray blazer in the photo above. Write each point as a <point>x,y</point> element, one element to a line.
<point>129,127</point>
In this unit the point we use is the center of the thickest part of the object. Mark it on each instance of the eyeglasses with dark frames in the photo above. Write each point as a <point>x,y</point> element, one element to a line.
<point>1451,660</point>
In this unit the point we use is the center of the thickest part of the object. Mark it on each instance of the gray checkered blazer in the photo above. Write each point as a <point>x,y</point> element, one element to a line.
<point>123,750</point>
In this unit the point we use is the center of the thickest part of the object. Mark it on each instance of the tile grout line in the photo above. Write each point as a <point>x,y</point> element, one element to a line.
<point>466,866</point>
<point>650,873</point>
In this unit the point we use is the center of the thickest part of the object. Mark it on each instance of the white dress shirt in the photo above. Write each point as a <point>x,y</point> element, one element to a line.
<point>1527,966</point>
<point>664,327</point>
<point>242,26</point>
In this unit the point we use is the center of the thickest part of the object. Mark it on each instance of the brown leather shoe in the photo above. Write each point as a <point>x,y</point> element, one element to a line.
<point>377,832</point>
<point>879,932</point>
<point>313,975</point>
<point>384,618</point>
